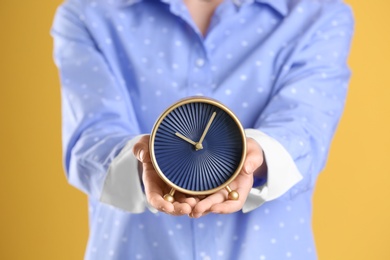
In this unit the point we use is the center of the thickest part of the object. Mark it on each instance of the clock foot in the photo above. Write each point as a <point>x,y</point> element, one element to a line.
<point>169,197</point>
<point>233,195</point>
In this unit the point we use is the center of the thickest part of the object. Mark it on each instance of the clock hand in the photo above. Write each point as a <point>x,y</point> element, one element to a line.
<point>185,138</point>
<point>199,145</point>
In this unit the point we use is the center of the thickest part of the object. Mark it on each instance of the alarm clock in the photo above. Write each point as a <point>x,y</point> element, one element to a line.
<point>198,147</point>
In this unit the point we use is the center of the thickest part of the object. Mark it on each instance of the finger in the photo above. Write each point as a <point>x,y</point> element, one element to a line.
<point>227,207</point>
<point>191,201</point>
<point>242,184</point>
<point>141,149</point>
<point>204,205</point>
<point>158,202</point>
<point>155,189</point>
<point>181,208</point>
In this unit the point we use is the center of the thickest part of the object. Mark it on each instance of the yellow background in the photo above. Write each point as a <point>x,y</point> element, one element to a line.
<point>42,217</point>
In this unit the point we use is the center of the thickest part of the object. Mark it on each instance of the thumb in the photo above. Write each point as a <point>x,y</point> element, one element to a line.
<point>254,157</point>
<point>141,150</point>
<point>249,167</point>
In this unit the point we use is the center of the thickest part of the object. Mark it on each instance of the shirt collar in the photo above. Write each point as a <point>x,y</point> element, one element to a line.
<point>124,3</point>
<point>279,5</point>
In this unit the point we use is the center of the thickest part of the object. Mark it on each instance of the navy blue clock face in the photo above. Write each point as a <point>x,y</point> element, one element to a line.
<point>198,145</point>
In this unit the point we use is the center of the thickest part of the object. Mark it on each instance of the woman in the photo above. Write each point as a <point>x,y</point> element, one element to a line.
<point>279,65</point>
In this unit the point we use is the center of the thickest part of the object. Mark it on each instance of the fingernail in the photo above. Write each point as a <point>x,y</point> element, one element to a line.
<point>141,155</point>
<point>248,169</point>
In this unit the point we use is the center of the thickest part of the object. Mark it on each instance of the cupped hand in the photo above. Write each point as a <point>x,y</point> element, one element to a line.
<point>218,202</point>
<point>156,188</point>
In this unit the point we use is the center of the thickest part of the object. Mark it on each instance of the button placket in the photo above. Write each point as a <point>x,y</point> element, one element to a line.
<point>200,73</point>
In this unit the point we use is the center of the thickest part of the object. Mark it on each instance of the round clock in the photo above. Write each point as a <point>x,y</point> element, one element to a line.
<point>198,147</point>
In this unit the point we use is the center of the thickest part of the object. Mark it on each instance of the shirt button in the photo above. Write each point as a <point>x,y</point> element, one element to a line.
<point>200,62</point>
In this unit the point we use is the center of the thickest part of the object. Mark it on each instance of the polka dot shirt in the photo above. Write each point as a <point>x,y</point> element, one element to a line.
<point>280,65</point>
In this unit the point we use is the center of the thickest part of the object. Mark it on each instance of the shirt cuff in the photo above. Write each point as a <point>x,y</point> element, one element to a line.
<point>282,173</point>
<point>122,187</point>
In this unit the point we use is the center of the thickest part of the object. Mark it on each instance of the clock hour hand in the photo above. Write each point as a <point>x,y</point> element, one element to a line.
<point>199,145</point>
<point>185,138</point>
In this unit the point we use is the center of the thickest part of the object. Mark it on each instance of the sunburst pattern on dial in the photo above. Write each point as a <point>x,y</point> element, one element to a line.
<point>198,146</point>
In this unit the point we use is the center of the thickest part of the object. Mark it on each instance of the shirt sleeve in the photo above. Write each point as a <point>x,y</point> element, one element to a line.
<point>122,187</point>
<point>97,114</point>
<point>308,100</point>
<point>282,173</point>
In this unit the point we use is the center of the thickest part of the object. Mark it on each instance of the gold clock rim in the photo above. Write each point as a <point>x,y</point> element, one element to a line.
<point>161,118</point>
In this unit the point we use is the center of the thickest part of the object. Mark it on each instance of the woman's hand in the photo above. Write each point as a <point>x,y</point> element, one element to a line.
<point>156,188</point>
<point>218,202</point>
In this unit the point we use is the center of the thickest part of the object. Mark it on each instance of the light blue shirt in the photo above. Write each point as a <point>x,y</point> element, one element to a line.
<point>280,65</point>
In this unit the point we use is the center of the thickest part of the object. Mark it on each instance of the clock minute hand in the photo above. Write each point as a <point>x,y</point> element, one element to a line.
<point>185,138</point>
<point>199,145</point>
